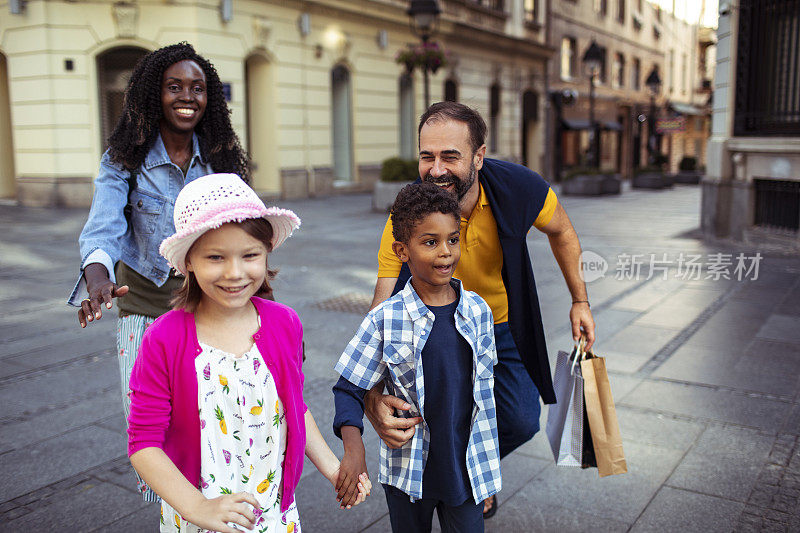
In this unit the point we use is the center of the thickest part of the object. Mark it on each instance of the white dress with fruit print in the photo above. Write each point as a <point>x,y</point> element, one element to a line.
<point>243,438</point>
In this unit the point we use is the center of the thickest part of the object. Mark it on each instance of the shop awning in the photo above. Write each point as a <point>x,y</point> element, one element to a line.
<point>686,109</point>
<point>577,124</point>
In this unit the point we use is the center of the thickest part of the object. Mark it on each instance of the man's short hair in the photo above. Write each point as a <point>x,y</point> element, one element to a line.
<point>459,112</point>
<point>416,201</point>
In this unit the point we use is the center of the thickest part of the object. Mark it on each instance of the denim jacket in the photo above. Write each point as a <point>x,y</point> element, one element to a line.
<point>108,236</point>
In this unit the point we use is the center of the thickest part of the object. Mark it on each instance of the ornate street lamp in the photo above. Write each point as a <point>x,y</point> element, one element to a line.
<point>424,16</point>
<point>653,83</point>
<point>593,60</point>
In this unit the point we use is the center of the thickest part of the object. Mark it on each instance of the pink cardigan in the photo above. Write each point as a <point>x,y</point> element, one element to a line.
<point>163,389</point>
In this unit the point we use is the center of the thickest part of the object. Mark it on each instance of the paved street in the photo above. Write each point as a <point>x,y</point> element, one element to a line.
<point>705,373</point>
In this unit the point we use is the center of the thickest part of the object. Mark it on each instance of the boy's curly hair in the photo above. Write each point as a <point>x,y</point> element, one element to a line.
<point>138,126</point>
<point>416,201</point>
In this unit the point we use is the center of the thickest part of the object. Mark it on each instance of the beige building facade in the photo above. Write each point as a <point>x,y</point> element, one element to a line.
<point>316,95</point>
<point>751,191</point>
<point>635,37</point>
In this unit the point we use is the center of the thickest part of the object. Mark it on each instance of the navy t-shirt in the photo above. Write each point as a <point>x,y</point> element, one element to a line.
<point>447,367</point>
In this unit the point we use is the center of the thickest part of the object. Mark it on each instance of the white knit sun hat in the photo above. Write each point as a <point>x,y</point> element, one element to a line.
<point>211,201</point>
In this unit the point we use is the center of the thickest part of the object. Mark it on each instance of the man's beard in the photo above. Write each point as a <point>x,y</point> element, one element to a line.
<point>462,185</point>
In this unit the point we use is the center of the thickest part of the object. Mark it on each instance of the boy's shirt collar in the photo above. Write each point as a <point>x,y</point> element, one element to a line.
<point>416,307</point>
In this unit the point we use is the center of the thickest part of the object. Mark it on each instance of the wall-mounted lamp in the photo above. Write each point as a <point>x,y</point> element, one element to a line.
<point>304,24</point>
<point>17,7</point>
<point>318,51</point>
<point>383,39</point>
<point>226,10</point>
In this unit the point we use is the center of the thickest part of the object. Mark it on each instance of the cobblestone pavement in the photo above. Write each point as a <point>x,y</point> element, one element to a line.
<point>705,373</point>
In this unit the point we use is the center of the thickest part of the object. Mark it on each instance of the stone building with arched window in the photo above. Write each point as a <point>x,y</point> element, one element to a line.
<point>316,95</point>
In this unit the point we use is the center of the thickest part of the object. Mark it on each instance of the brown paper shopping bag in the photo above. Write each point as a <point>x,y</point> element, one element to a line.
<point>602,417</point>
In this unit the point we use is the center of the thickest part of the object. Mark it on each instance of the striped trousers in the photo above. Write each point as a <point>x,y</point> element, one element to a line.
<point>130,330</point>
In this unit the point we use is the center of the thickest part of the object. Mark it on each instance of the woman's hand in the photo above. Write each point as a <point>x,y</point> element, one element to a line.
<point>215,514</point>
<point>101,291</point>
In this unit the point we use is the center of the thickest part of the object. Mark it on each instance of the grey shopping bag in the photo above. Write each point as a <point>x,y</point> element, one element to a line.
<point>565,418</point>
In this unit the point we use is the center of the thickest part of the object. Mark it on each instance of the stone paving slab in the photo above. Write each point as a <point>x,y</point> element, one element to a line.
<point>23,398</point>
<point>620,497</point>
<point>33,467</point>
<point>658,429</point>
<point>710,403</point>
<point>680,510</point>
<point>757,372</point>
<point>729,458</point>
<point>68,417</point>
<point>99,504</point>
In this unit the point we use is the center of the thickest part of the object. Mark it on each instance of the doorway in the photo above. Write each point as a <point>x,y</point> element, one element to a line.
<point>114,69</point>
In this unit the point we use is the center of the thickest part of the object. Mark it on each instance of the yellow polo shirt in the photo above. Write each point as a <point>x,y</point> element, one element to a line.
<point>479,268</point>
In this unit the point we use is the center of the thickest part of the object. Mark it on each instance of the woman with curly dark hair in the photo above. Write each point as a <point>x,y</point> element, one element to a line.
<point>175,127</point>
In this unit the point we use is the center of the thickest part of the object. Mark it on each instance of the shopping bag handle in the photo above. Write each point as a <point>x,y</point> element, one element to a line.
<point>581,348</point>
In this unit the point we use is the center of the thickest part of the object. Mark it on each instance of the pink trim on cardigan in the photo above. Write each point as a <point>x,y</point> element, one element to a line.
<point>163,389</point>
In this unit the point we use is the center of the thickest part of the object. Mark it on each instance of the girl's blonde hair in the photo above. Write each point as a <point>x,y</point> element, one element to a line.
<point>190,293</point>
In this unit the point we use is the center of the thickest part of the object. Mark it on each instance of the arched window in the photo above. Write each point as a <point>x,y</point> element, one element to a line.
<point>114,68</point>
<point>494,118</point>
<point>407,117</point>
<point>342,123</point>
<point>530,139</point>
<point>450,91</point>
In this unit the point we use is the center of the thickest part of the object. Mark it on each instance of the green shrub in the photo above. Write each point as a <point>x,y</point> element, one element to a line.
<point>688,163</point>
<point>650,169</point>
<point>398,169</point>
<point>659,160</point>
<point>581,171</point>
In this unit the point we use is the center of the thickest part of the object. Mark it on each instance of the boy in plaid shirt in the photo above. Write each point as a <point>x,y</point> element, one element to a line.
<point>431,344</point>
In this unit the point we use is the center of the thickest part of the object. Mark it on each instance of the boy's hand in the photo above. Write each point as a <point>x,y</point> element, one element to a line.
<point>215,514</point>
<point>352,482</point>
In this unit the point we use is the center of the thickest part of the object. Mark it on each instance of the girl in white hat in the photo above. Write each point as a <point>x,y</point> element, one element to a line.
<point>218,427</point>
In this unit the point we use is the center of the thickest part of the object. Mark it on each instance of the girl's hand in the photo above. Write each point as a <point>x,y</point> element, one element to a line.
<point>101,291</point>
<point>214,514</point>
<point>356,488</point>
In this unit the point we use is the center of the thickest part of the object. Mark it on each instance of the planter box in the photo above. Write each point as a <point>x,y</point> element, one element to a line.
<point>688,177</point>
<point>583,186</point>
<point>612,184</point>
<point>649,180</point>
<point>592,185</point>
<point>384,193</point>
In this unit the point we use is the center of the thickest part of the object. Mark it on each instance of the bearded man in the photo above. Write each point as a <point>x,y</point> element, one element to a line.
<point>500,202</point>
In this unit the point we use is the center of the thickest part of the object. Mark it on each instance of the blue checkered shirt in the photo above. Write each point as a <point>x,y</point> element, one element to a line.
<point>388,347</point>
